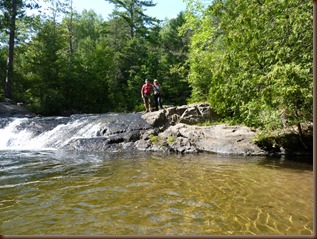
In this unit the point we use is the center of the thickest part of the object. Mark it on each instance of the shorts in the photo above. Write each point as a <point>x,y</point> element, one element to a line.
<point>147,99</point>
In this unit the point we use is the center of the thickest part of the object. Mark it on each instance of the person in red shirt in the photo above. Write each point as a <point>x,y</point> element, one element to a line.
<point>146,91</point>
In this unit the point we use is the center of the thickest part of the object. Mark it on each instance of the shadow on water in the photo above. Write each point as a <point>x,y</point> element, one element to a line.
<point>296,162</point>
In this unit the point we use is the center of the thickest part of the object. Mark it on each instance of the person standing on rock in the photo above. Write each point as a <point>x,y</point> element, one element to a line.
<point>157,95</point>
<point>146,91</point>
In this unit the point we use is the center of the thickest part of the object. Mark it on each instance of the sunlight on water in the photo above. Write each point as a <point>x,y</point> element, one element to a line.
<point>54,193</point>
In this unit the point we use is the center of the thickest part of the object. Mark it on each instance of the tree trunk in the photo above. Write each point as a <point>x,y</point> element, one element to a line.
<point>300,135</point>
<point>71,31</point>
<point>9,71</point>
<point>300,132</point>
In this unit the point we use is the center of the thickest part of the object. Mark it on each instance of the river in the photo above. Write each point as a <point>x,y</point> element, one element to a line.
<point>55,192</point>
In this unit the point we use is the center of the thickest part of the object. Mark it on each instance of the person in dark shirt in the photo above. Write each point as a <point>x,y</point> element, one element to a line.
<point>158,93</point>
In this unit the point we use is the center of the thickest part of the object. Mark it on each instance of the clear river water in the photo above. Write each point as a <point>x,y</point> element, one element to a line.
<point>54,192</point>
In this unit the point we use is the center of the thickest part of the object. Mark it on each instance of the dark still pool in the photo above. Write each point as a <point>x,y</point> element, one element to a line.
<point>60,193</point>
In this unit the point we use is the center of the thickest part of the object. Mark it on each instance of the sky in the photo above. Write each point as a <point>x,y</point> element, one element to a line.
<point>163,9</point>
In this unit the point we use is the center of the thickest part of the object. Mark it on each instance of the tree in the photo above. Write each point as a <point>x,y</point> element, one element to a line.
<point>62,79</point>
<point>117,32</point>
<point>44,66</point>
<point>76,63</point>
<point>11,11</point>
<point>173,61</point>
<point>129,32</point>
<point>90,86</point>
<point>133,14</point>
<point>256,58</point>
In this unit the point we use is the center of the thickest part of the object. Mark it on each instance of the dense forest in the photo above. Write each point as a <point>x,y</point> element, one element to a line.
<point>251,60</point>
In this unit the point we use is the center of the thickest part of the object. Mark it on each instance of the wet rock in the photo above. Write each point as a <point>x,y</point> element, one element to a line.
<point>116,132</point>
<point>112,124</point>
<point>142,145</point>
<point>92,144</point>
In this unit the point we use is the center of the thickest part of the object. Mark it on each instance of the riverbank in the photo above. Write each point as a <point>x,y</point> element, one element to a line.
<point>172,130</point>
<point>223,138</point>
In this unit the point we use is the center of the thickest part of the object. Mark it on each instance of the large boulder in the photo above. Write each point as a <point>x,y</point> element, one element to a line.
<point>195,114</point>
<point>157,118</point>
<point>223,139</point>
<point>178,132</point>
<point>188,114</point>
<point>9,108</point>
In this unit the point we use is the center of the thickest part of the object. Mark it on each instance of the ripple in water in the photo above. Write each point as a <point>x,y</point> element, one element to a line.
<point>55,193</point>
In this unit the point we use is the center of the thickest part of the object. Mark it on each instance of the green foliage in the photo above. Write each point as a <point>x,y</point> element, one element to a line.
<point>77,62</point>
<point>133,13</point>
<point>13,22</point>
<point>252,60</point>
<point>42,60</point>
<point>154,139</point>
<point>171,139</point>
<point>173,69</point>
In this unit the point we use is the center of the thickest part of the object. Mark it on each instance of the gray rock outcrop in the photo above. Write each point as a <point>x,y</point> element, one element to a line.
<point>221,139</point>
<point>172,130</point>
<point>188,114</point>
<point>9,108</point>
<point>179,133</point>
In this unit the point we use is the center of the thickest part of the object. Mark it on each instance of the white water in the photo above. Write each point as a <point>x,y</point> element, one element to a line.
<point>12,137</point>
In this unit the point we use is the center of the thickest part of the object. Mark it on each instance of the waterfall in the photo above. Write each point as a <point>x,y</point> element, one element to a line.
<point>45,133</point>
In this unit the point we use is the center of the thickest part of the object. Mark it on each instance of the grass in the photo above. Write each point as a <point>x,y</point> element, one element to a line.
<point>171,139</point>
